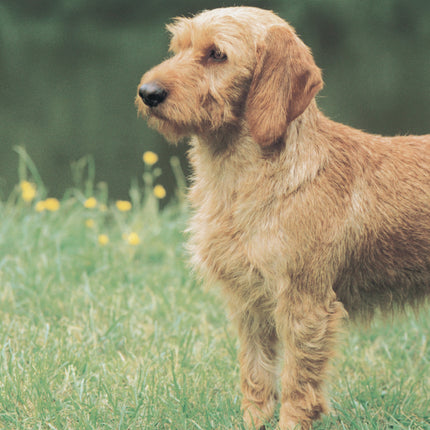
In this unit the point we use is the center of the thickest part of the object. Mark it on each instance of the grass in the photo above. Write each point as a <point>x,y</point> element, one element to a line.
<point>119,336</point>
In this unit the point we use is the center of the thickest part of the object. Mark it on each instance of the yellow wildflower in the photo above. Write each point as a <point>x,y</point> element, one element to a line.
<point>90,203</point>
<point>90,223</point>
<point>150,158</point>
<point>123,205</point>
<point>159,192</point>
<point>133,239</point>
<point>40,206</point>
<point>103,239</point>
<point>52,204</point>
<point>102,207</point>
<point>28,191</point>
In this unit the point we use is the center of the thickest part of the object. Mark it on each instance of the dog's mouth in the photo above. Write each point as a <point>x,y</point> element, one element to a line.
<point>148,110</point>
<point>156,113</point>
<point>168,127</point>
<point>166,119</point>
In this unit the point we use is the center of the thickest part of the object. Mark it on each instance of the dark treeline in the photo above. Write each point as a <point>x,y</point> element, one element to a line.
<point>69,71</point>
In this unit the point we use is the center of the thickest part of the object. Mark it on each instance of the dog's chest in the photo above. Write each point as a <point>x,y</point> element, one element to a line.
<point>239,230</point>
<point>231,239</point>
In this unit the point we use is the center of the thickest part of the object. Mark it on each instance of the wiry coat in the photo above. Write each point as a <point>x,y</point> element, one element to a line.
<point>295,216</point>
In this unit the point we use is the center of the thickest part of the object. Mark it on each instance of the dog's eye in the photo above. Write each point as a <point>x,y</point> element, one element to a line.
<point>217,55</point>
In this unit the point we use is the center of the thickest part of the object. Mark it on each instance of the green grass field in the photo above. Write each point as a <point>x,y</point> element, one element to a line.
<point>103,327</point>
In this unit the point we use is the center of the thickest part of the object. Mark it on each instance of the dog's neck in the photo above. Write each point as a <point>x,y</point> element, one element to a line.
<point>303,155</point>
<point>232,155</point>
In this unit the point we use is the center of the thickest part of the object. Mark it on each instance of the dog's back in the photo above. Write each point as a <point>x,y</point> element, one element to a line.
<point>386,241</point>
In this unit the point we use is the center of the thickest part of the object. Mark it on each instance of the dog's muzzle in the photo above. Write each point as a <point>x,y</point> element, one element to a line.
<point>152,94</point>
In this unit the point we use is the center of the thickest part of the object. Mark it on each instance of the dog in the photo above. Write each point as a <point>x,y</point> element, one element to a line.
<point>299,219</point>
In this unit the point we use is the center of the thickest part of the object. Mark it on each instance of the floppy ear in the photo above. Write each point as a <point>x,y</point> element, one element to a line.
<point>285,81</point>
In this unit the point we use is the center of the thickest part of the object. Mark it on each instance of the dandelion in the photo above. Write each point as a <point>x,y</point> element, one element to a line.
<point>123,205</point>
<point>150,158</point>
<point>40,206</point>
<point>133,239</point>
<point>90,223</point>
<point>90,203</point>
<point>52,204</point>
<point>28,191</point>
<point>159,192</point>
<point>103,239</point>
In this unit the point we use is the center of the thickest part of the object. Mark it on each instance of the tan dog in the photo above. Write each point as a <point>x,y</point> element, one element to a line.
<point>296,216</point>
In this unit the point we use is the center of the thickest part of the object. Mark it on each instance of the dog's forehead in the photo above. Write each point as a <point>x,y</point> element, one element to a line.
<point>223,25</point>
<point>250,16</point>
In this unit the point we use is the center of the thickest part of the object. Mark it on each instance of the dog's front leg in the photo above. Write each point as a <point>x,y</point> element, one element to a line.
<point>308,325</point>
<point>258,367</point>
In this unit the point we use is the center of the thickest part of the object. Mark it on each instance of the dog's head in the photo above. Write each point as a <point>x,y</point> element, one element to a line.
<point>240,67</point>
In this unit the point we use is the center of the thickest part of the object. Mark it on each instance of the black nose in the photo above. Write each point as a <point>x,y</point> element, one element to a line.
<point>152,94</point>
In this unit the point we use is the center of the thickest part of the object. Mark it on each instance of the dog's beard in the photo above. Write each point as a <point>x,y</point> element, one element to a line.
<point>168,120</point>
<point>159,122</point>
<point>169,129</point>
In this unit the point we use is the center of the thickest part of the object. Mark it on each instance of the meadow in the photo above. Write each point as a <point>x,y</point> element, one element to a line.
<point>102,325</point>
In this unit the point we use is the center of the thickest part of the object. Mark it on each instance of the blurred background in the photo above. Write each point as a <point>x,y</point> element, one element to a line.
<point>69,70</point>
